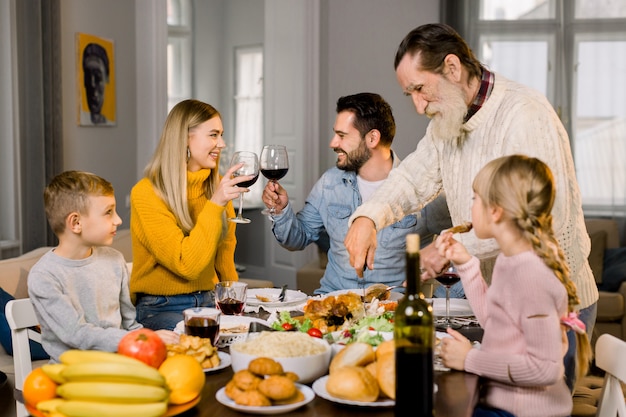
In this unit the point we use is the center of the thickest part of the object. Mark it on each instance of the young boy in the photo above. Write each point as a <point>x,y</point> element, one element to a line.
<point>80,288</point>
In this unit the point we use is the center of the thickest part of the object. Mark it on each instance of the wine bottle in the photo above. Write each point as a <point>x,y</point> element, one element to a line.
<point>414,334</point>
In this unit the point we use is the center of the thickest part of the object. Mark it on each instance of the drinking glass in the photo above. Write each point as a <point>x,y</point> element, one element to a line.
<point>203,322</point>
<point>250,167</point>
<point>231,297</point>
<point>448,278</point>
<point>274,166</point>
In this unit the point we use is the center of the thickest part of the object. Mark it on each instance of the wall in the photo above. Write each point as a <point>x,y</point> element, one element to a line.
<point>359,41</point>
<point>107,151</point>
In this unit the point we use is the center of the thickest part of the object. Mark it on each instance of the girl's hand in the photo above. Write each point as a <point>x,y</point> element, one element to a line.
<point>454,350</point>
<point>227,189</point>
<point>452,249</point>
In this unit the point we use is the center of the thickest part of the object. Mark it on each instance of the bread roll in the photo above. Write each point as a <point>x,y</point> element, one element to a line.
<point>354,354</point>
<point>386,374</point>
<point>385,347</point>
<point>353,383</point>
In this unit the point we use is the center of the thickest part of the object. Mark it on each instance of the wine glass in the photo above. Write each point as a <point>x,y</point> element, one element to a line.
<point>250,167</point>
<point>448,278</point>
<point>274,166</point>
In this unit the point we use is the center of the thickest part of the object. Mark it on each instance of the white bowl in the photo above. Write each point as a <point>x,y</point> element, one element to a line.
<point>308,368</point>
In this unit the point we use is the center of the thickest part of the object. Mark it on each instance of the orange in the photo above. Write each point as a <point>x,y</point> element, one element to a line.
<point>184,377</point>
<point>38,387</point>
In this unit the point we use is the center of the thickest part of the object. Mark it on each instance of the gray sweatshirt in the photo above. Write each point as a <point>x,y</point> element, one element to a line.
<point>82,304</point>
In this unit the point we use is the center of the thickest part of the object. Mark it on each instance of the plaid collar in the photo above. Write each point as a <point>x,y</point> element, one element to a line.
<point>486,85</point>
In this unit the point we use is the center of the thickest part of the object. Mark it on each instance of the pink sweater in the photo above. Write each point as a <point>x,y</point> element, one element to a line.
<point>522,350</point>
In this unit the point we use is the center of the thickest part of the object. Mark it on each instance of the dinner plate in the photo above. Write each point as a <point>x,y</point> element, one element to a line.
<point>319,387</point>
<point>458,307</point>
<point>393,296</point>
<point>225,362</point>
<point>222,398</point>
<point>291,297</point>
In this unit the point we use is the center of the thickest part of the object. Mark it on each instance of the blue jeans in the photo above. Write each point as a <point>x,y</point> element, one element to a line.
<point>587,316</point>
<point>165,311</point>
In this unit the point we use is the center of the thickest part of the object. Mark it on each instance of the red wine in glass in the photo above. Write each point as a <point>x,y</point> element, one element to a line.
<point>204,327</point>
<point>448,278</point>
<point>274,174</point>
<point>274,164</point>
<point>247,184</point>
<point>230,306</point>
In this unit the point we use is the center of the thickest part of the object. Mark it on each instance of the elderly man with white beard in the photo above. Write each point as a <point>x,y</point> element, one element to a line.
<point>476,116</point>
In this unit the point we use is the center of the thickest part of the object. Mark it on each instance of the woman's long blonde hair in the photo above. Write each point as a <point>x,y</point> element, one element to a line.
<point>524,188</point>
<point>167,171</point>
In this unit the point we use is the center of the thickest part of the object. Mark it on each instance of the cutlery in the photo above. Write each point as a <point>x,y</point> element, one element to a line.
<point>281,297</point>
<point>377,291</point>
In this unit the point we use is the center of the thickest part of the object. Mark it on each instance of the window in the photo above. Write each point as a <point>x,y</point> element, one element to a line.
<point>179,51</point>
<point>249,107</point>
<point>575,53</point>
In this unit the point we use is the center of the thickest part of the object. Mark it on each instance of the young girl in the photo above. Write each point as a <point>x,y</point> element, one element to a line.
<point>530,303</point>
<point>182,242</point>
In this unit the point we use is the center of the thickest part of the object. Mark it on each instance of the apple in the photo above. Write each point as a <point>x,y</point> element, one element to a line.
<point>145,345</point>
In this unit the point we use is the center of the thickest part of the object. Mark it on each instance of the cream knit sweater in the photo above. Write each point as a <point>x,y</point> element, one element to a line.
<point>514,120</point>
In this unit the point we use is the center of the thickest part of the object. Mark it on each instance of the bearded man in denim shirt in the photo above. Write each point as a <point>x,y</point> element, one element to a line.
<point>363,132</point>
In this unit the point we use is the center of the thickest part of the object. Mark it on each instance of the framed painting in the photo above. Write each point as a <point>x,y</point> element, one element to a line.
<point>95,69</point>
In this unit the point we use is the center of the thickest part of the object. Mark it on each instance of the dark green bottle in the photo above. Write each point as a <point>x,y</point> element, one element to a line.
<point>414,334</point>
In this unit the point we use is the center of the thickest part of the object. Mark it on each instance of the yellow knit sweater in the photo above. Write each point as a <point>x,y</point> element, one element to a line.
<point>168,262</point>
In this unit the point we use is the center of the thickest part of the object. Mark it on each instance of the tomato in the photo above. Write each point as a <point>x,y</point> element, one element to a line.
<point>313,332</point>
<point>287,326</point>
<point>145,345</point>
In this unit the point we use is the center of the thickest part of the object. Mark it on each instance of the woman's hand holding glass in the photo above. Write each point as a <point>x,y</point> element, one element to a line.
<point>228,188</point>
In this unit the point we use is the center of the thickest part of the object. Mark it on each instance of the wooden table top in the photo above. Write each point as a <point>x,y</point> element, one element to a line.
<point>456,396</point>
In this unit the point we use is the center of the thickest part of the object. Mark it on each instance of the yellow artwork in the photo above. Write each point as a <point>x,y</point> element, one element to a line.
<point>95,66</point>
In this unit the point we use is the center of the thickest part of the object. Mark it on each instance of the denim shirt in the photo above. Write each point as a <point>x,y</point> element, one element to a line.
<point>328,207</point>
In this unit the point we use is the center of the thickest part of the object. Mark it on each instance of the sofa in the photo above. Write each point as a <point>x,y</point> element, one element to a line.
<point>13,277</point>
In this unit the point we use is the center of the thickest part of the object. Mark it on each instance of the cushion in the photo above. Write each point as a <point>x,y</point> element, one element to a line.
<point>596,255</point>
<point>36,350</point>
<point>614,269</point>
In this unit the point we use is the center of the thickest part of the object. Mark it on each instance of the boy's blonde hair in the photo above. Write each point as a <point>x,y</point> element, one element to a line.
<point>524,188</point>
<point>69,192</point>
<point>167,171</point>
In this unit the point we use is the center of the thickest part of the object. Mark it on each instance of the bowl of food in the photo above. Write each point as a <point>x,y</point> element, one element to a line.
<point>297,352</point>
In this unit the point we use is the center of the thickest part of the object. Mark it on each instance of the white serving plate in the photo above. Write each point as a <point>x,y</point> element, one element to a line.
<point>224,363</point>
<point>393,296</point>
<point>319,386</point>
<point>291,297</point>
<point>221,397</point>
<point>459,307</point>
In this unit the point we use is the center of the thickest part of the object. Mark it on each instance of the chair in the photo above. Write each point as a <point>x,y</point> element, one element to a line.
<point>610,354</point>
<point>21,316</point>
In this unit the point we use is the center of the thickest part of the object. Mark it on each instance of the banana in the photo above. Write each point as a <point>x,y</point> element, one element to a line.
<point>50,406</point>
<point>72,356</point>
<point>53,370</point>
<point>112,392</point>
<point>98,409</point>
<point>113,372</point>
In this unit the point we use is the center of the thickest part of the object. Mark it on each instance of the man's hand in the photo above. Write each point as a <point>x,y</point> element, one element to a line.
<point>432,263</point>
<point>274,195</point>
<point>360,242</point>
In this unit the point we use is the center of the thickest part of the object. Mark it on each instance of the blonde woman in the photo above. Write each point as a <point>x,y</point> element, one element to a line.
<point>182,242</point>
<point>531,301</point>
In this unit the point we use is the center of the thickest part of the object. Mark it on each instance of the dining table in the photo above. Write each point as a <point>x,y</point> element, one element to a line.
<point>456,395</point>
